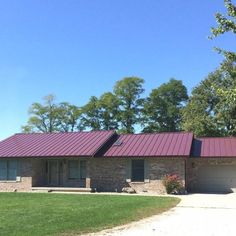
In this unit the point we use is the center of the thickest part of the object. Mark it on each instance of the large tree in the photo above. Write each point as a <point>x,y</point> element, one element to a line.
<point>43,117</point>
<point>68,117</point>
<point>199,114</point>
<point>51,117</point>
<point>101,113</point>
<point>209,112</point>
<point>162,109</point>
<point>109,110</point>
<point>91,114</point>
<point>129,91</point>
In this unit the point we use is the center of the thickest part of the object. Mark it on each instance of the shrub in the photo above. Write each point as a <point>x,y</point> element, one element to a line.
<point>172,183</point>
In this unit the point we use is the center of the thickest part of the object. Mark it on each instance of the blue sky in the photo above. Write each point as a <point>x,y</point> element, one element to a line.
<point>75,49</point>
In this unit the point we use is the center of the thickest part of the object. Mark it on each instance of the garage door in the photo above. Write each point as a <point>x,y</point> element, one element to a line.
<point>216,179</point>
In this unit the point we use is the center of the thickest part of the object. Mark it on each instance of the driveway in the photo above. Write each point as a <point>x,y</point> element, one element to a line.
<point>196,214</point>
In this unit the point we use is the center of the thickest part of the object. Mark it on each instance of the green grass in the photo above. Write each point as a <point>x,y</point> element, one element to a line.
<point>63,214</point>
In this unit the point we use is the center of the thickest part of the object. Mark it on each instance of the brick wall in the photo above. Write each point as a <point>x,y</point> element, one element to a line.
<point>111,174</point>
<point>108,174</point>
<point>105,174</point>
<point>25,182</point>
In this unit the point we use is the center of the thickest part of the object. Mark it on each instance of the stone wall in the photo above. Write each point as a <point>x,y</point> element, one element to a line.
<point>194,164</point>
<point>111,174</point>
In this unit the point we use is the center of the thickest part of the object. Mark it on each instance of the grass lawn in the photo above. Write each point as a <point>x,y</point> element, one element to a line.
<point>54,214</point>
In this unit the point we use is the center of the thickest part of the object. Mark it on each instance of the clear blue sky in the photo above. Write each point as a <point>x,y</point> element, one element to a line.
<point>75,49</point>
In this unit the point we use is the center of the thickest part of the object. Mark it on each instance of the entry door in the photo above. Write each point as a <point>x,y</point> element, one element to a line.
<point>55,172</point>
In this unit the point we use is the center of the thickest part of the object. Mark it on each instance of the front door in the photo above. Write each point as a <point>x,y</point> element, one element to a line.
<point>55,172</point>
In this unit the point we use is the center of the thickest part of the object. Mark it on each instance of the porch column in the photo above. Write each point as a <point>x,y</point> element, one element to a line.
<point>88,179</point>
<point>88,182</point>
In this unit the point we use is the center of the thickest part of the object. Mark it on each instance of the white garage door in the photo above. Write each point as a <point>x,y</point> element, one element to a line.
<point>220,178</point>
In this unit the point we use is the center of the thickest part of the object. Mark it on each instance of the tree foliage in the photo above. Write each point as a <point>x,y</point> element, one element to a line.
<point>162,109</point>
<point>225,23</point>
<point>91,114</point>
<point>109,111</point>
<point>51,117</point>
<point>101,113</point>
<point>210,110</point>
<point>199,114</point>
<point>68,117</point>
<point>128,91</point>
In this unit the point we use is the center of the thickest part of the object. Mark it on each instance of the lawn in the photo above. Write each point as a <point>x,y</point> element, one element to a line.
<point>54,214</point>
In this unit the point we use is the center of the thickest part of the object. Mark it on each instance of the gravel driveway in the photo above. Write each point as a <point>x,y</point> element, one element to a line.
<point>196,214</point>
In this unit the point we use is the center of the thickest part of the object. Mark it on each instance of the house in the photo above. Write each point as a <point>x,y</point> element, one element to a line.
<point>107,161</point>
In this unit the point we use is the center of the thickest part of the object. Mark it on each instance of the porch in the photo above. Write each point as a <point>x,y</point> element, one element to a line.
<point>51,175</point>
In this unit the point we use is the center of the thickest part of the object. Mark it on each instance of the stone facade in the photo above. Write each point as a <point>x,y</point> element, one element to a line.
<point>193,166</point>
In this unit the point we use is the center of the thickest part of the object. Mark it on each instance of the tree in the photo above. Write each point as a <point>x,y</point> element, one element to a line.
<point>209,111</point>
<point>226,110</point>
<point>109,109</point>
<point>44,117</point>
<point>225,24</point>
<point>91,114</point>
<point>162,109</point>
<point>129,91</point>
<point>226,107</point>
<point>51,117</point>
<point>68,117</point>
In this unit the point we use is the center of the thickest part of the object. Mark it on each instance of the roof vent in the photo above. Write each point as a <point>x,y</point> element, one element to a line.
<point>118,143</point>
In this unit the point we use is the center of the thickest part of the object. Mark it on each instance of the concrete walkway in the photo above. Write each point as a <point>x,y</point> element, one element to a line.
<point>196,214</point>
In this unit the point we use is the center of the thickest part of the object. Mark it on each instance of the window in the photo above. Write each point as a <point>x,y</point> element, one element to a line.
<point>8,169</point>
<point>77,169</point>
<point>138,170</point>
<point>73,170</point>
<point>83,169</point>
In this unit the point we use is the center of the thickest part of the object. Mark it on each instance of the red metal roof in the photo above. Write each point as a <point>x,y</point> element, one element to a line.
<point>54,144</point>
<point>214,147</point>
<point>152,145</point>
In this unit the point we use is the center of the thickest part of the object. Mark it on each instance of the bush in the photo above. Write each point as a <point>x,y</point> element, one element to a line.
<point>172,183</point>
